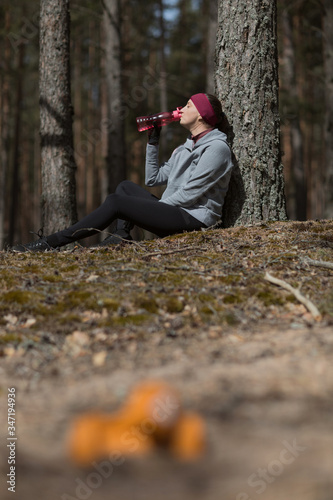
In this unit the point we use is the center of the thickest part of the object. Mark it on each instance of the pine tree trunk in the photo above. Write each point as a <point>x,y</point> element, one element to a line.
<point>298,206</point>
<point>162,77</point>
<point>211,46</point>
<point>56,113</point>
<point>247,84</point>
<point>183,20</point>
<point>26,206</point>
<point>328,65</point>
<point>116,158</point>
<point>4,128</point>
<point>80,156</point>
<point>17,147</point>
<point>91,170</point>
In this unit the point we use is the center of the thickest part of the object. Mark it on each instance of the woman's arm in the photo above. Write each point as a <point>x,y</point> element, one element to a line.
<point>212,170</point>
<point>156,174</point>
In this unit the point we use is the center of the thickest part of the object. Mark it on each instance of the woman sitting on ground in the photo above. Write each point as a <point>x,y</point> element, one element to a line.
<point>196,177</point>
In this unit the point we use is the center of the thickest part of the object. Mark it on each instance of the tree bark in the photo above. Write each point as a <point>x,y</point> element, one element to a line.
<point>328,67</point>
<point>162,77</point>
<point>15,182</point>
<point>211,46</point>
<point>298,205</point>
<point>117,111</point>
<point>4,128</point>
<point>56,113</point>
<point>80,158</point>
<point>247,84</point>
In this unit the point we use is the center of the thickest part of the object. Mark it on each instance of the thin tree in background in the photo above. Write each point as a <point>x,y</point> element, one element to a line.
<point>211,45</point>
<point>15,187</point>
<point>4,128</point>
<point>297,208</point>
<point>328,68</point>
<point>80,159</point>
<point>162,73</point>
<point>162,59</point>
<point>57,154</point>
<point>247,84</point>
<point>116,156</point>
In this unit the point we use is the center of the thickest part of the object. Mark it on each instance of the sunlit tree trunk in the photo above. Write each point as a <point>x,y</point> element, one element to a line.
<point>247,84</point>
<point>57,154</point>
<point>328,66</point>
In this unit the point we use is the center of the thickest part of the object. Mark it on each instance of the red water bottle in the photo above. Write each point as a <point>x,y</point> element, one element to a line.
<point>160,119</point>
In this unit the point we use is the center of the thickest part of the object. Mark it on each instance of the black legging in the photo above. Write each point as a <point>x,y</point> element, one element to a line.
<point>132,203</point>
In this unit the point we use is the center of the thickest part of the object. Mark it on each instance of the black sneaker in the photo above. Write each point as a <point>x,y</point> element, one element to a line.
<point>40,245</point>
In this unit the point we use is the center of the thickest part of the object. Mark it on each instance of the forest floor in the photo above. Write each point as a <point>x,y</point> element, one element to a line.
<point>79,328</point>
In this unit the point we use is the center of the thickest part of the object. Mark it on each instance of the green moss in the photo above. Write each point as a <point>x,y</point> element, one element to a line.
<point>130,319</point>
<point>53,309</point>
<point>108,303</point>
<point>206,310</point>
<point>10,338</point>
<point>7,281</point>
<point>229,318</point>
<point>174,305</point>
<point>69,268</point>
<point>230,279</point>
<point>17,296</point>
<point>21,300</point>
<point>169,277</point>
<point>233,298</point>
<point>69,318</point>
<point>270,298</point>
<point>291,298</point>
<point>147,303</point>
<point>52,278</point>
<point>31,268</point>
<point>205,297</point>
<point>81,298</point>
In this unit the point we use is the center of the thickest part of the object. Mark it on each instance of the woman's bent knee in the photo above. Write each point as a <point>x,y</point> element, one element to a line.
<point>123,186</point>
<point>110,199</point>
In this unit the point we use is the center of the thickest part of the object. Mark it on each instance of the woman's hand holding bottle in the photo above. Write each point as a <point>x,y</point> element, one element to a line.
<point>154,135</point>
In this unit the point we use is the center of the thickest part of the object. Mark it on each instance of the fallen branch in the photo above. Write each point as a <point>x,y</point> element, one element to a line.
<point>318,263</point>
<point>306,302</point>
<point>120,238</point>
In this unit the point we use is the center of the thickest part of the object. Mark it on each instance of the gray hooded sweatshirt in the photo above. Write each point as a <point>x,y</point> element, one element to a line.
<point>197,176</point>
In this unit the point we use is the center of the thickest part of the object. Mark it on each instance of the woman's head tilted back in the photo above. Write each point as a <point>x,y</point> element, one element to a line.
<point>205,109</point>
<point>210,109</point>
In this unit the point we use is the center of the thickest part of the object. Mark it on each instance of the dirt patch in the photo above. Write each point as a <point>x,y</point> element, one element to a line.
<point>79,328</point>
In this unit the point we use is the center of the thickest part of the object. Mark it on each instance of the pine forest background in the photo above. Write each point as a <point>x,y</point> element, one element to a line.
<point>167,53</point>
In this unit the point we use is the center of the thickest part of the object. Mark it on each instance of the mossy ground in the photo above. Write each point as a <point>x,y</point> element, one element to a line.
<point>214,272</point>
<point>193,308</point>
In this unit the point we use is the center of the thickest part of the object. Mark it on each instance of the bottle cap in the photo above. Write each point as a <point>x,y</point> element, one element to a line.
<point>177,114</point>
